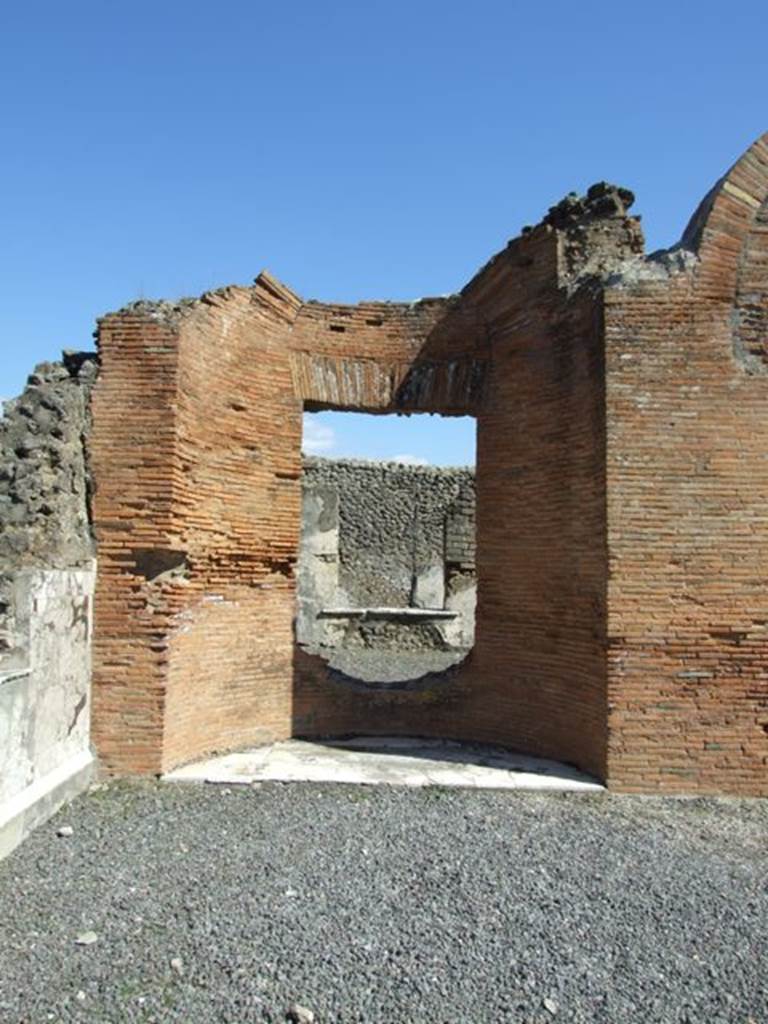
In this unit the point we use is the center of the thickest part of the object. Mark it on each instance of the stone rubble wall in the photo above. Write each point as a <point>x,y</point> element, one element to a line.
<point>47,575</point>
<point>386,535</point>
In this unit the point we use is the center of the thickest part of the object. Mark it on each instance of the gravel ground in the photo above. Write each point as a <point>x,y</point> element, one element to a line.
<point>384,667</point>
<point>387,905</point>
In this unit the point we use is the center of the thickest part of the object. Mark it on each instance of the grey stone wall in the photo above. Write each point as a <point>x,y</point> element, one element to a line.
<point>46,587</point>
<point>383,535</point>
<point>43,473</point>
<point>44,518</point>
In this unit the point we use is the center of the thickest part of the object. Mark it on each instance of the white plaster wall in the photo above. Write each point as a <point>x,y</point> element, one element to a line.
<point>318,566</point>
<point>45,695</point>
<point>461,631</point>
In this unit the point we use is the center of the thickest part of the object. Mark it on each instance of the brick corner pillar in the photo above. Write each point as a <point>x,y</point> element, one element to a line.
<point>132,453</point>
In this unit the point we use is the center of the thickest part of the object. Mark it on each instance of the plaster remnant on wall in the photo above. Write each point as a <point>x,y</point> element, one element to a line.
<point>44,696</point>
<point>46,587</point>
<point>657,266</point>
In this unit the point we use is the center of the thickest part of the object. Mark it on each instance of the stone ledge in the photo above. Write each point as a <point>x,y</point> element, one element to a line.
<point>40,801</point>
<point>394,614</point>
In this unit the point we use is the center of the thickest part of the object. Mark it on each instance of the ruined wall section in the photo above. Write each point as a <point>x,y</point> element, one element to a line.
<point>688,490</point>
<point>536,677</point>
<point>137,472</point>
<point>425,356</point>
<point>238,505</point>
<point>46,588</point>
<point>44,480</point>
<point>541,511</point>
<point>392,527</point>
<point>197,445</point>
<point>44,516</point>
<point>750,322</point>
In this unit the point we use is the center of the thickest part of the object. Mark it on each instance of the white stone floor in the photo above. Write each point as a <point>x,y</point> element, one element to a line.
<point>390,761</point>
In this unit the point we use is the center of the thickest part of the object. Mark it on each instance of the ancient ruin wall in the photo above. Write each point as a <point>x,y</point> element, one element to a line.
<point>535,679</point>
<point>687,470</point>
<point>541,553</point>
<point>44,515</point>
<point>46,587</point>
<point>401,529</point>
<point>386,575</point>
<point>620,501</point>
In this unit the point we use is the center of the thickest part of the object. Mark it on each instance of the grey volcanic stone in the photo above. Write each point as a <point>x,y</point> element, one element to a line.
<point>44,480</point>
<point>436,906</point>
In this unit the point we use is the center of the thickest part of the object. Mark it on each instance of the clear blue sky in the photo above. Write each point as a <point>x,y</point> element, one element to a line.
<point>357,149</point>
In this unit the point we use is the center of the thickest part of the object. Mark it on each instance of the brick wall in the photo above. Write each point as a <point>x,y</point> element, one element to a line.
<point>134,468</point>
<point>687,466</point>
<point>539,672</point>
<point>621,488</point>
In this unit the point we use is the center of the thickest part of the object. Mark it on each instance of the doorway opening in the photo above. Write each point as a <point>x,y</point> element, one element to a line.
<point>387,574</point>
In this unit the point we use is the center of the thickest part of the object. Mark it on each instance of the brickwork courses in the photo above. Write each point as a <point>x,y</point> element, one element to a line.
<point>621,486</point>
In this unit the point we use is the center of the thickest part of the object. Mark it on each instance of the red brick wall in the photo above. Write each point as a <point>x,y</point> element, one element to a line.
<point>622,480</point>
<point>239,434</point>
<point>539,664</point>
<point>132,452</point>
<point>536,677</point>
<point>687,466</point>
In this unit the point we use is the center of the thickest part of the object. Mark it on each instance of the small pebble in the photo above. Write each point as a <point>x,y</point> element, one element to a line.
<point>65,831</point>
<point>299,1014</point>
<point>177,964</point>
<point>551,1005</point>
<point>86,939</point>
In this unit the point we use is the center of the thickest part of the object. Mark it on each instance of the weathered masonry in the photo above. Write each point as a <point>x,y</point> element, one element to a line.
<point>47,575</point>
<point>621,496</point>
<point>386,573</point>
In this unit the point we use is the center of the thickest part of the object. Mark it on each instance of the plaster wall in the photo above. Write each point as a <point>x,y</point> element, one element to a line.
<point>45,709</point>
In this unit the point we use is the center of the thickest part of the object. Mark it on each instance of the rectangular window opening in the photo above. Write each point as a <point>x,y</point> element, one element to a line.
<point>387,572</point>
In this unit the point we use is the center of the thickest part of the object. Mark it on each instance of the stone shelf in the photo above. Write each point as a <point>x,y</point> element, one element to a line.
<point>399,614</point>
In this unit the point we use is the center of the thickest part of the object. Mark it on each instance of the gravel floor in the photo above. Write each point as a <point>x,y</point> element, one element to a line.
<point>384,668</point>
<point>387,905</point>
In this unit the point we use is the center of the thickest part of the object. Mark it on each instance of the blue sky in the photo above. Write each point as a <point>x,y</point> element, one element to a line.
<point>357,150</point>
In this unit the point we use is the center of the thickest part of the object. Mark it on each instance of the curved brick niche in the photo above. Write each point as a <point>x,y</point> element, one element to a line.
<point>620,502</point>
<point>196,454</point>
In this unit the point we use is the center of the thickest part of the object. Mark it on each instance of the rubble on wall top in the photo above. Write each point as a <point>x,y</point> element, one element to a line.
<point>163,310</point>
<point>602,200</point>
<point>82,366</point>
<point>384,465</point>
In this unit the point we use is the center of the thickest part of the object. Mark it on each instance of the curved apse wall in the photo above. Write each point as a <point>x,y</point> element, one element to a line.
<point>597,458</point>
